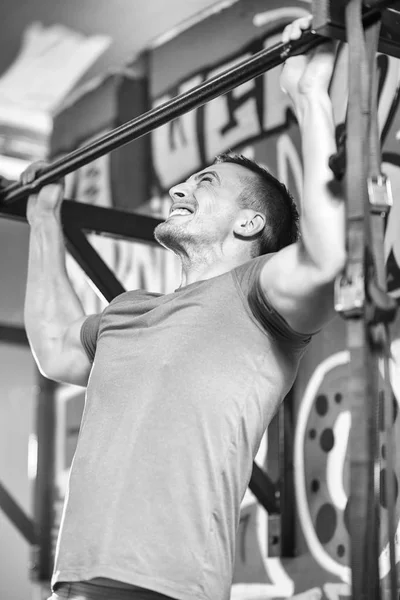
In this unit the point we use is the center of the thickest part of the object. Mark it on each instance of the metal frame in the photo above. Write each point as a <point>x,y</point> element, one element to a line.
<point>78,218</point>
<point>41,553</point>
<point>329,21</point>
<point>13,334</point>
<point>17,516</point>
<point>286,481</point>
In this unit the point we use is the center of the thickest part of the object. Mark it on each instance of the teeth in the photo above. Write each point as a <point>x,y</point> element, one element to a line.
<point>180,211</point>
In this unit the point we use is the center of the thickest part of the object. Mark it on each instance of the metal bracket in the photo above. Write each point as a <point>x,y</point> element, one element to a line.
<point>329,21</point>
<point>350,291</point>
<point>380,193</point>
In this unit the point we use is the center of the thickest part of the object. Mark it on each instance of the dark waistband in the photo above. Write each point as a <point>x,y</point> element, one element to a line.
<point>90,591</point>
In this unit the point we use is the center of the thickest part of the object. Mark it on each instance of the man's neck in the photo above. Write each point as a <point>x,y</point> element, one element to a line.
<point>199,271</point>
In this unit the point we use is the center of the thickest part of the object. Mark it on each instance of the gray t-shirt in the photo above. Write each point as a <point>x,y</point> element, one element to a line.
<point>181,391</point>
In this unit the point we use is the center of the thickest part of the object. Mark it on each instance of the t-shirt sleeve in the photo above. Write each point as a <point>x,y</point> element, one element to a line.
<point>89,333</point>
<point>248,278</point>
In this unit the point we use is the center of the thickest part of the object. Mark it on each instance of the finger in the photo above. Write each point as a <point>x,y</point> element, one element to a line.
<point>295,30</point>
<point>305,22</point>
<point>291,32</point>
<point>286,35</point>
<point>300,26</point>
<point>31,172</point>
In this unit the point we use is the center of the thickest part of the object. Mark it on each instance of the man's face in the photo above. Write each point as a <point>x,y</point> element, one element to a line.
<point>204,208</point>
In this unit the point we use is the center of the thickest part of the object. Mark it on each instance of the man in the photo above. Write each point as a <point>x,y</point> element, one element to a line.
<point>181,387</point>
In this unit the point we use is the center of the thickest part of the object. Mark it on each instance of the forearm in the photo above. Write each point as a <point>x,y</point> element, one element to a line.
<point>51,304</point>
<point>322,212</point>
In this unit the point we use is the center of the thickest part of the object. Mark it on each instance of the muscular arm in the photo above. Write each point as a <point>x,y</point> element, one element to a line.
<point>53,313</point>
<point>298,280</point>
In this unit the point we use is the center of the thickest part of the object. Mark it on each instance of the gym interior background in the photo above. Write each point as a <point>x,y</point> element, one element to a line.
<point>72,71</point>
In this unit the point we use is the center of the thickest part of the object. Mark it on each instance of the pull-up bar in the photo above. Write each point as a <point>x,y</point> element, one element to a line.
<point>205,92</point>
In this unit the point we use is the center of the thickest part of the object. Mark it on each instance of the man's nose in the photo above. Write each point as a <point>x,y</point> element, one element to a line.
<point>180,191</point>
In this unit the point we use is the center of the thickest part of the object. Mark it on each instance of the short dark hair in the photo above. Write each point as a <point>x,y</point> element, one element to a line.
<point>271,197</point>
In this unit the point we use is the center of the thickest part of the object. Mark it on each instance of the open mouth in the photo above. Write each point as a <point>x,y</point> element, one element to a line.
<point>180,210</point>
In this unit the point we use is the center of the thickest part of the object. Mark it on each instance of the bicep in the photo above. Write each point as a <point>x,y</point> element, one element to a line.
<point>71,363</point>
<point>298,290</point>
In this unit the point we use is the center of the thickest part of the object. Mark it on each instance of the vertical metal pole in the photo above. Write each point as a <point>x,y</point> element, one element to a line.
<point>286,488</point>
<point>42,562</point>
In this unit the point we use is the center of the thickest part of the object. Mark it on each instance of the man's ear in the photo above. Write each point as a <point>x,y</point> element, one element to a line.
<point>249,223</point>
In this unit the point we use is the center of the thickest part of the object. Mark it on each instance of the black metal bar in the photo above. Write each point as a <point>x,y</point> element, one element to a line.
<point>42,555</point>
<point>17,516</point>
<point>264,489</point>
<point>92,264</point>
<point>13,334</point>
<point>15,211</point>
<point>116,223</point>
<point>286,482</point>
<point>272,467</point>
<point>212,88</point>
<point>379,4</point>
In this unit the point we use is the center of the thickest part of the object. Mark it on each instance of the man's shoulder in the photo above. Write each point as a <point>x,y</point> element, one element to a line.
<point>125,302</point>
<point>247,272</point>
<point>134,296</point>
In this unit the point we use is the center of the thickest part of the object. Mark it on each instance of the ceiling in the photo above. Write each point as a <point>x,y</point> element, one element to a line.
<point>132,24</point>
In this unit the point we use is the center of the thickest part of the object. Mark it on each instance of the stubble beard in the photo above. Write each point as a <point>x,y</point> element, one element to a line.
<point>172,236</point>
<point>188,245</point>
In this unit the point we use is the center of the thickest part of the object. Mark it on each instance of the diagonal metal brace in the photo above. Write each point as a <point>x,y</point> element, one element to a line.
<point>17,516</point>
